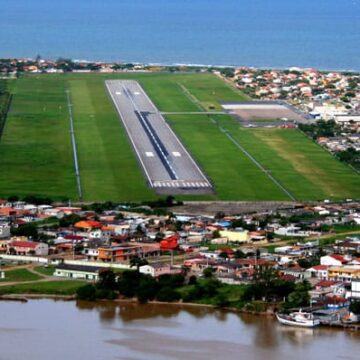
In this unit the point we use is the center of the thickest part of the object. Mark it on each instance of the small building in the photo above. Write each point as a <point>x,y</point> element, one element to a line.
<point>292,231</point>
<point>355,289</point>
<point>4,231</point>
<point>28,248</point>
<point>78,272</point>
<point>156,269</point>
<point>318,271</point>
<point>235,236</point>
<point>124,252</point>
<point>333,260</point>
<point>344,273</point>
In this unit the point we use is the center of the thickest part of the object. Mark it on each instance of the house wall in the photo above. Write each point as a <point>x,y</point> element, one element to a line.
<point>328,260</point>
<point>76,274</point>
<point>4,231</point>
<point>235,236</point>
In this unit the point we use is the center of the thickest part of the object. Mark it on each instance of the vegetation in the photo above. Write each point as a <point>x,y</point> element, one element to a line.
<point>355,307</point>
<point>47,271</point>
<point>321,128</point>
<point>5,99</point>
<point>36,142</point>
<point>19,275</point>
<point>46,287</point>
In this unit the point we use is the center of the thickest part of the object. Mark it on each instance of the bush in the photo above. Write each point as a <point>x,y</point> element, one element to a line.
<point>355,307</point>
<point>86,292</point>
<point>192,280</point>
<point>168,294</point>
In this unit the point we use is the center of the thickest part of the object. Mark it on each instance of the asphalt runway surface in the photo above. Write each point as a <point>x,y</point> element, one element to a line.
<point>168,166</point>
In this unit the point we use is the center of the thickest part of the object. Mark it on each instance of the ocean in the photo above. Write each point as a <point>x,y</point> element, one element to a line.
<point>324,34</point>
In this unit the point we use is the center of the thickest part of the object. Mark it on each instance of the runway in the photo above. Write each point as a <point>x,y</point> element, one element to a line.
<point>168,167</point>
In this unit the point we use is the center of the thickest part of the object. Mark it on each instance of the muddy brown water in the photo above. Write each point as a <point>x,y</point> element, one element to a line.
<point>48,329</point>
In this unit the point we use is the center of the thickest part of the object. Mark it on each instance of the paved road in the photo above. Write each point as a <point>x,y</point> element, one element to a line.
<point>164,159</point>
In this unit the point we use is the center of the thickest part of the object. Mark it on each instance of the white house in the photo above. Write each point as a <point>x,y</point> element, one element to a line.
<point>155,270</point>
<point>293,231</point>
<point>77,272</point>
<point>319,271</point>
<point>4,231</point>
<point>355,289</point>
<point>333,260</point>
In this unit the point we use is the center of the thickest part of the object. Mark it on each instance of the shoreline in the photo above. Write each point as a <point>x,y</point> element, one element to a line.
<point>26,297</point>
<point>193,65</point>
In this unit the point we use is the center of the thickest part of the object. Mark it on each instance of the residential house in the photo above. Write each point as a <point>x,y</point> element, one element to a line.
<point>124,252</point>
<point>344,273</point>
<point>333,260</point>
<point>78,272</point>
<point>318,271</point>
<point>355,289</point>
<point>4,231</point>
<point>158,269</point>
<point>28,248</point>
<point>235,236</point>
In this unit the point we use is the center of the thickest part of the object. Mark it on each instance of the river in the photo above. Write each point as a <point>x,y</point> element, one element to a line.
<point>47,329</point>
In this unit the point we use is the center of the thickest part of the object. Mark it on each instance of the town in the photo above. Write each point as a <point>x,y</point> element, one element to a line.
<point>302,255</point>
<point>331,97</point>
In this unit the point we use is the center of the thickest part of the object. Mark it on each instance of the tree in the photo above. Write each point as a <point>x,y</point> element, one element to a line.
<point>192,280</point>
<point>221,300</point>
<point>216,234</point>
<point>128,282</point>
<point>355,307</point>
<point>239,254</point>
<point>86,292</point>
<point>147,289</point>
<point>168,294</point>
<point>304,263</point>
<point>208,272</point>
<point>137,261</point>
<point>107,280</point>
<point>219,215</point>
<point>28,230</point>
<point>224,255</point>
<point>263,281</point>
<point>300,296</point>
<point>69,220</point>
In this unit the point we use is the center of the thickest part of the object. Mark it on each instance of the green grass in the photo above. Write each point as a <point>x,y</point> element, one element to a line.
<point>235,176</point>
<point>305,169</point>
<point>47,287</point>
<point>36,155</point>
<point>19,275</point>
<point>35,152</point>
<point>48,271</point>
<point>231,292</point>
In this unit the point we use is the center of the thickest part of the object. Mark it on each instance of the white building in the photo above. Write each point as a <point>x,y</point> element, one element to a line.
<point>293,231</point>
<point>333,260</point>
<point>355,289</point>
<point>155,270</point>
<point>4,231</point>
<point>77,272</point>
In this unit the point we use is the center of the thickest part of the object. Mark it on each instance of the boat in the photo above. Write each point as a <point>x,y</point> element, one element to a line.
<point>299,318</point>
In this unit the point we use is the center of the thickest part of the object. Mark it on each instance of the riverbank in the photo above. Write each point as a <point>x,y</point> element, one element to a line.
<point>178,304</point>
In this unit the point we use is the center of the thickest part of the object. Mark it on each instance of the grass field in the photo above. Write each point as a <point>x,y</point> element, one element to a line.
<point>36,154</point>
<point>46,287</point>
<point>19,275</point>
<point>47,271</point>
